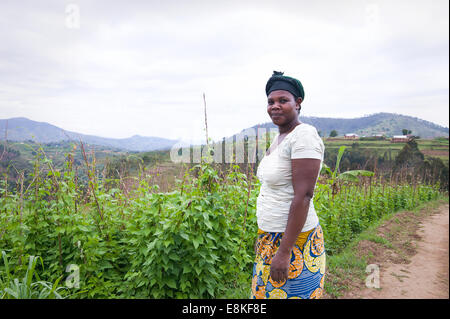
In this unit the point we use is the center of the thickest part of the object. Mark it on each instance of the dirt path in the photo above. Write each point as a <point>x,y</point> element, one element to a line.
<point>427,274</point>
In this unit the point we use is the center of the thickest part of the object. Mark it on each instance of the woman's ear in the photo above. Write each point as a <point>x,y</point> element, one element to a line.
<point>298,104</point>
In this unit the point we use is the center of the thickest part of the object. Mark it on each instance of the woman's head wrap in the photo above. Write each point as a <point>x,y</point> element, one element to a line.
<point>278,81</point>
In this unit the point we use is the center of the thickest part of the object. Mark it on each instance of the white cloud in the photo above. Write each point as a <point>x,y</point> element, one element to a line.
<point>141,67</point>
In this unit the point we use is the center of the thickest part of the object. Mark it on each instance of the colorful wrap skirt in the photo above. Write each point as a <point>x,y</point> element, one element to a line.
<point>306,270</point>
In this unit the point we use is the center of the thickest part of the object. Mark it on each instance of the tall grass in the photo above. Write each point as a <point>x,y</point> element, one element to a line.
<point>26,288</point>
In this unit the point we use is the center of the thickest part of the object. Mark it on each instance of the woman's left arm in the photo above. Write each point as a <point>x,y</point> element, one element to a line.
<point>304,176</point>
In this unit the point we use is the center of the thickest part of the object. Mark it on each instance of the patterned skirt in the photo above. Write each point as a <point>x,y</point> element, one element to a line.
<point>306,271</point>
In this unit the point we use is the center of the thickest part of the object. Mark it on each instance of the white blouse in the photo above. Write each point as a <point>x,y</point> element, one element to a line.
<point>275,173</point>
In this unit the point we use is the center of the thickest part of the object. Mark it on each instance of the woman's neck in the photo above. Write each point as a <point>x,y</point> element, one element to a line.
<point>288,127</point>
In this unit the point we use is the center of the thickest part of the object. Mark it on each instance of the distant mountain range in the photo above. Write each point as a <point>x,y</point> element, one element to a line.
<point>389,124</point>
<point>23,129</point>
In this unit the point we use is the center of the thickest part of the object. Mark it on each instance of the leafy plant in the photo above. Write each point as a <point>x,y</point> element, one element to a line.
<point>351,175</point>
<point>25,288</point>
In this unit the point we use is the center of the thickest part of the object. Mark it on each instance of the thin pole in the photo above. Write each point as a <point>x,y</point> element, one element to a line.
<point>206,120</point>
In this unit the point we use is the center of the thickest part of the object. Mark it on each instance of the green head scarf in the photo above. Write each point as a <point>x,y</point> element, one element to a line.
<point>278,81</point>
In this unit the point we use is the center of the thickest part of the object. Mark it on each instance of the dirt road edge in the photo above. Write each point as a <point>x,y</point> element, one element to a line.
<point>403,249</point>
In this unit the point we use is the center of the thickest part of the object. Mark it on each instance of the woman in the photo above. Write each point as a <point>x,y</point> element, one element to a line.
<point>290,251</point>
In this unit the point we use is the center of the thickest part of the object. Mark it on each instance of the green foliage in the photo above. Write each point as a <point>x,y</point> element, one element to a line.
<point>193,242</point>
<point>406,131</point>
<point>347,175</point>
<point>409,156</point>
<point>359,157</point>
<point>196,241</point>
<point>348,202</point>
<point>443,140</point>
<point>25,288</point>
<point>177,248</point>
<point>356,206</point>
<point>435,169</point>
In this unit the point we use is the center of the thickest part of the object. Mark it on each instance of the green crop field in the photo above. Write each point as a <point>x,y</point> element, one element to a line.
<point>195,241</point>
<point>438,147</point>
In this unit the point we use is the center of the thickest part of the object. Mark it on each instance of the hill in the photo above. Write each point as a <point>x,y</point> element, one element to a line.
<point>388,124</point>
<point>21,129</point>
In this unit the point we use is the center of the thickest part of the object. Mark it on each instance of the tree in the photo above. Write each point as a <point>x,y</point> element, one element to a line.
<point>406,131</point>
<point>333,133</point>
<point>434,169</point>
<point>409,156</point>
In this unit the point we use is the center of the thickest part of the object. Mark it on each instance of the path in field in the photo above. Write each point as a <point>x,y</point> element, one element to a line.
<point>427,275</point>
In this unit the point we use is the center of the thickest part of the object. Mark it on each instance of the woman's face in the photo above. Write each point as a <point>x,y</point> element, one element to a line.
<point>282,107</point>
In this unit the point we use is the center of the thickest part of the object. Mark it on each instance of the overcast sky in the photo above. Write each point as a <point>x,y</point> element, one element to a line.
<point>120,68</point>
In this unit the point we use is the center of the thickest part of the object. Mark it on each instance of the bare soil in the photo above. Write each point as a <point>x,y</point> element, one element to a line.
<point>413,261</point>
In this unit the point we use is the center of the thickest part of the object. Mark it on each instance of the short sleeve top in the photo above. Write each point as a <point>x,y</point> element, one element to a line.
<point>275,174</point>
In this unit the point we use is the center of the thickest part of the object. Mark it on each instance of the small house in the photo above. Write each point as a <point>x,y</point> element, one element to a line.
<point>351,136</point>
<point>400,139</point>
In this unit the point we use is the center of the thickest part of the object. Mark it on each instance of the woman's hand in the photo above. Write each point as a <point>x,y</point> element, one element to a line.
<point>279,268</point>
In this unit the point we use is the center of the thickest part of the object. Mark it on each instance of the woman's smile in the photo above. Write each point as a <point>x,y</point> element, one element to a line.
<point>276,115</point>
